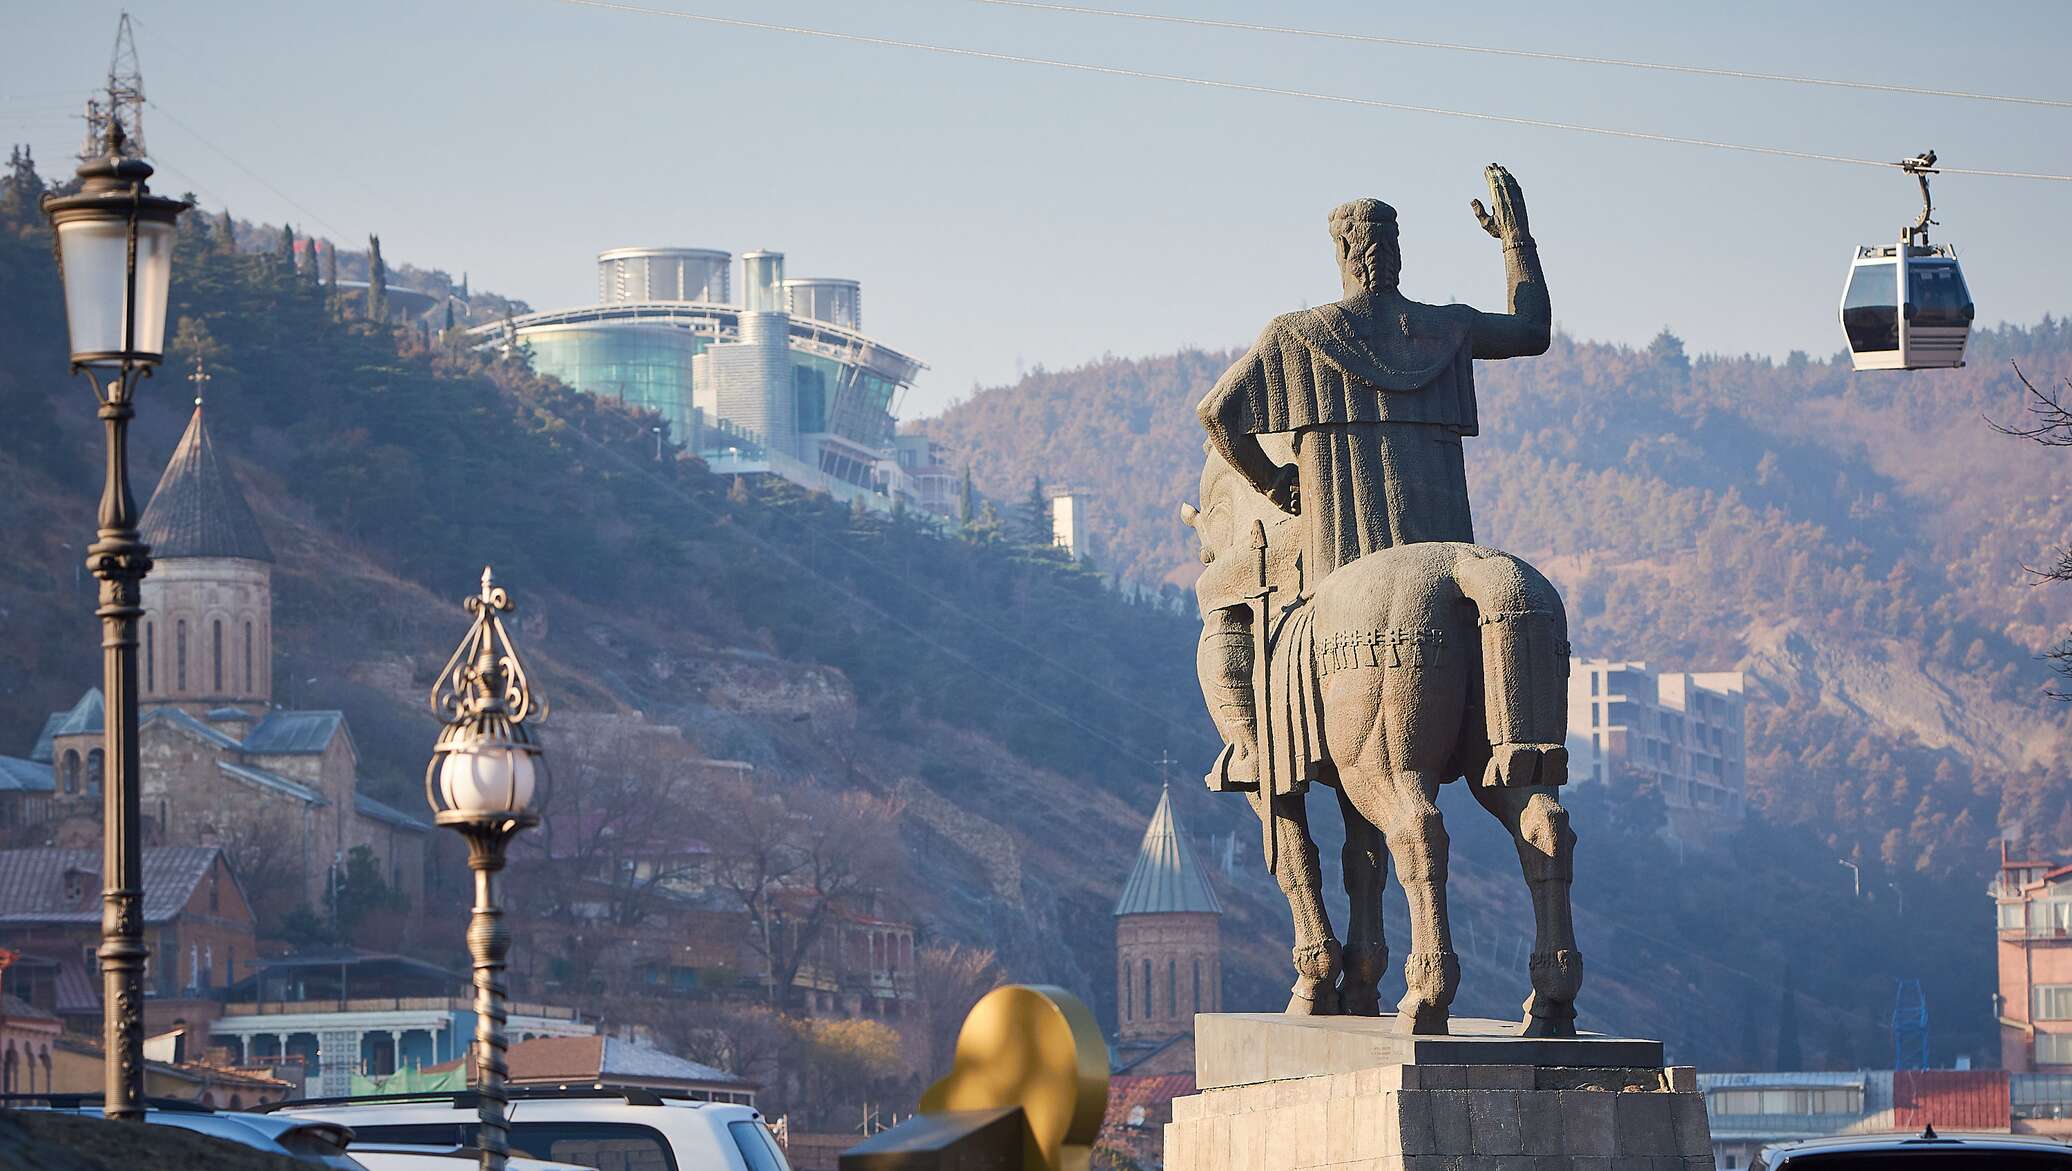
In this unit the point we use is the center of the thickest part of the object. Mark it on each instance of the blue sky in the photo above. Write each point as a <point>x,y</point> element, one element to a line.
<point>1003,215</point>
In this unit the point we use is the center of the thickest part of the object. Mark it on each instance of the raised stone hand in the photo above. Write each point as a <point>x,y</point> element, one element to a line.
<point>1505,218</point>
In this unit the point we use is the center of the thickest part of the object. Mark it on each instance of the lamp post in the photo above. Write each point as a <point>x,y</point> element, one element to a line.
<point>114,243</point>
<point>482,781</point>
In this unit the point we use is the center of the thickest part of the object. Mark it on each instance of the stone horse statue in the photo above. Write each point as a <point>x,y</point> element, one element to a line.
<point>1398,672</point>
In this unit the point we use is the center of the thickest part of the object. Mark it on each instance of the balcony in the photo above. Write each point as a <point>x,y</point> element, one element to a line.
<point>389,1004</point>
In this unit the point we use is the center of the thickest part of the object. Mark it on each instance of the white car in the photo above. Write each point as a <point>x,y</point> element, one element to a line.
<point>601,1127</point>
<point>402,1157</point>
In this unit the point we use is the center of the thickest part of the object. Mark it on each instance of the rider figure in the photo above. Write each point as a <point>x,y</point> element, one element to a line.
<point>1377,390</point>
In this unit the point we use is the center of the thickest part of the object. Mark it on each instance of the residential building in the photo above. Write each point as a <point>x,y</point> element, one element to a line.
<point>338,1013</point>
<point>2033,944</point>
<point>197,923</point>
<point>1683,734</point>
<point>25,790</point>
<point>221,764</point>
<point>781,381</point>
<point>1168,950</point>
<point>1068,523</point>
<point>80,1067</point>
<point>920,475</point>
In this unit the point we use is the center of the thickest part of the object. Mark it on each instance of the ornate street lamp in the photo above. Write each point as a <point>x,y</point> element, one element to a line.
<point>115,255</point>
<point>483,781</point>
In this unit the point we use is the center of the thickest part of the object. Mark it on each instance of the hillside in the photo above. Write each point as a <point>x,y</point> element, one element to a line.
<point>1856,543</point>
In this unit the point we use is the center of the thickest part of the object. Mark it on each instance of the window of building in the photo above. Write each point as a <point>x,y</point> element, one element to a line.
<point>68,770</point>
<point>95,762</point>
<point>1172,987</point>
<point>248,658</point>
<point>1129,996</point>
<point>150,657</point>
<point>1147,990</point>
<point>180,654</point>
<point>1838,1100</point>
<point>216,655</point>
<point>1197,985</point>
<point>2054,1048</point>
<point>2053,1002</point>
<point>2041,1095</point>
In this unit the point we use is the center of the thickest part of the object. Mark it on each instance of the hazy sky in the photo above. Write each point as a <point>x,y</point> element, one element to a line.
<point>1002,215</point>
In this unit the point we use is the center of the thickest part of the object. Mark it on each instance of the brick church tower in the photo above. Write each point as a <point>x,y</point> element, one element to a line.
<point>1168,946</point>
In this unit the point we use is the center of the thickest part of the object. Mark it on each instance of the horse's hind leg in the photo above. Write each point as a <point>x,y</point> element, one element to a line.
<point>1316,950</point>
<point>1546,852</point>
<point>1366,950</point>
<point>1403,803</point>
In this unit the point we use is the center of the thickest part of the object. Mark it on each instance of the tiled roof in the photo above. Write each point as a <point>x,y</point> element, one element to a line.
<point>32,883</point>
<point>1153,1093</point>
<point>16,1008</point>
<point>274,781</point>
<point>589,1059</point>
<point>1167,878</point>
<point>180,719</point>
<point>369,807</point>
<point>197,510</point>
<point>78,993</point>
<point>291,733</point>
<point>25,776</point>
<point>81,717</point>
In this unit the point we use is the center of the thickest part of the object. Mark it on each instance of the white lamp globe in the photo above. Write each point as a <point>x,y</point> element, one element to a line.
<point>487,779</point>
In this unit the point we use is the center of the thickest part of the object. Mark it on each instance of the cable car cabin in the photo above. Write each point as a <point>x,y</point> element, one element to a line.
<point>1906,308</point>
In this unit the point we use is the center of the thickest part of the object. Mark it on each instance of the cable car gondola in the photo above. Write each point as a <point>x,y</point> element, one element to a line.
<point>1906,306</point>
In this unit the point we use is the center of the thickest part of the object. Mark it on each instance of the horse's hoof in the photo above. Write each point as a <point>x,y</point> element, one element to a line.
<point>1421,1021</point>
<point>1552,1020</point>
<point>1359,1001</point>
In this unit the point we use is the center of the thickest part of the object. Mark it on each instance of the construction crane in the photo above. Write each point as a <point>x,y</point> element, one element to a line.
<point>123,103</point>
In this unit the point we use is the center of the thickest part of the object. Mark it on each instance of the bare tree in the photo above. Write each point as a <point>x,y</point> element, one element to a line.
<point>795,864</point>
<point>2050,424</point>
<point>267,855</point>
<point>949,980</point>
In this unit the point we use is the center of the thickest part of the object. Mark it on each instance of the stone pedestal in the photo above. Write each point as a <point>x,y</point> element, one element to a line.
<point>1296,1094</point>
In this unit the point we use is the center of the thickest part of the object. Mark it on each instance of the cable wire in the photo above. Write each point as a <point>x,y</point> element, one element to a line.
<point>1533,54</point>
<point>255,176</point>
<point>1279,91</point>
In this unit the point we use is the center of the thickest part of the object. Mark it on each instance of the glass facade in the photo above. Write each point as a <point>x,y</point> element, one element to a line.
<point>646,365</point>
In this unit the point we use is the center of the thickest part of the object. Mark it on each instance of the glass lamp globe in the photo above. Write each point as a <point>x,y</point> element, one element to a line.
<point>487,779</point>
<point>111,319</point>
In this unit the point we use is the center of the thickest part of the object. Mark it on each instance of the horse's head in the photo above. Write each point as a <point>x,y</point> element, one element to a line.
<point>1224,524</point>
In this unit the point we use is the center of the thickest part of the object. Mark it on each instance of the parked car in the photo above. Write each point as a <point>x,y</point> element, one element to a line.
<point>1927,1151</point>
<point>404,1157</point>
<point>612,1128</point>
<point>318,1142</point>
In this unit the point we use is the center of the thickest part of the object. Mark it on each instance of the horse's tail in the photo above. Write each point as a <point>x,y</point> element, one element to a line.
<point>1524,667</point>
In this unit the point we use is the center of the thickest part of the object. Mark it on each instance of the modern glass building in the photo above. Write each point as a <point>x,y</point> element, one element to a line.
<point>785,384</point>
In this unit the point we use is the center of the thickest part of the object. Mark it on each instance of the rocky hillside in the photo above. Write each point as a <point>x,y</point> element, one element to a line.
<point>1855,542</point>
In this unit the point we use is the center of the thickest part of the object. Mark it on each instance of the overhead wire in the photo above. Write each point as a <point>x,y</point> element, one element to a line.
<point>1533,54</point>
<point>255,176</point>
<point>1286,92</point>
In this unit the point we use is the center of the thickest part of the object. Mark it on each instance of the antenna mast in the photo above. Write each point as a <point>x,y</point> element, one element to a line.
<point>125,101</point>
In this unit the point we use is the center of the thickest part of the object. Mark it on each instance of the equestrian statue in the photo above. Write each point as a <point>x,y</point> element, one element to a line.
<point>1353,634</point>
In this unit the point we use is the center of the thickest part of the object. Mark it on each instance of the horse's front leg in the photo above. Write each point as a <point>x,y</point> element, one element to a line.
<point>1316,949</point>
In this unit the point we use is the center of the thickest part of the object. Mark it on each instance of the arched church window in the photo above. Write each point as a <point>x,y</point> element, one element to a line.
<point>94,764</point>
<point>1197,984</point>
<point>150,657</point>
<point>216,655</point>
<point>68,769</point>
<point>1129,994</point>
<point>1172,987</point>
<point>1148,1014</point>
<point>248,657</point>
<point>180,654</point>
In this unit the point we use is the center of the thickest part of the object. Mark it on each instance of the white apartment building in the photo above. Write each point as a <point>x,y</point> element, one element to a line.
<point>1685,731</point>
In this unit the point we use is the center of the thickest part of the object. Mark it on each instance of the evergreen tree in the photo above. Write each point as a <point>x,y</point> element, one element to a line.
<point>377,282</point>
<point>964,498</point>
<point>464,286</point>
<point>1789,1053</point>
<point>226,234</point>
<point>23,194</point>
<point>288,247</point>
<point>448,328</point>
<point>313,270</point>
<point>1035,518</point>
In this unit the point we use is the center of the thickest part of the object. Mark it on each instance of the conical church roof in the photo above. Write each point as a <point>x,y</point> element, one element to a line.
<point>1166,878</point>
<point>197,510</point>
